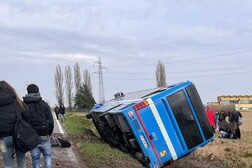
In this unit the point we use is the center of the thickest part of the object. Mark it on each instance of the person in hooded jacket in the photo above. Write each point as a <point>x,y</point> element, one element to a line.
<point>10,104</point>
<point>234,117</point>
<point>40,118</point>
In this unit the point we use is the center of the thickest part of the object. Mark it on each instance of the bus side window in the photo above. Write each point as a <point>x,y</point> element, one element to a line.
<point>123,124</point>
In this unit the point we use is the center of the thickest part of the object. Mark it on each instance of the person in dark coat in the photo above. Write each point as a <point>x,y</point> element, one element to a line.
<point>62,113</point>
<point>56,110</point>
<point>40,118</point>
<point>10,104</point>
<point>233,117</point>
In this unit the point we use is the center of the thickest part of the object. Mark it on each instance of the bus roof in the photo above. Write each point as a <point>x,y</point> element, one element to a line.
<point>142,94</point>
<point>122,101</point>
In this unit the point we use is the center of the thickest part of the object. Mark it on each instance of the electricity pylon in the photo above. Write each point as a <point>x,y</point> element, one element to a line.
<point>101,90</point>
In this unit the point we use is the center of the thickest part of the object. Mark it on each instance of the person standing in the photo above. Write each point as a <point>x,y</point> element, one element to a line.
<point>56,110</point>
<point>9,103</point>
<point>62,112</point>
<point>40,118</point>
<point>234,118</point>
<point>211,117</point>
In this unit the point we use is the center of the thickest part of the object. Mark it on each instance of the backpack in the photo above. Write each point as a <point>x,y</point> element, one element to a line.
<point>25,138</point>
<point>41,126</point>
<point>59,142</point>
<point>39,119</point>
<point>63,143</point>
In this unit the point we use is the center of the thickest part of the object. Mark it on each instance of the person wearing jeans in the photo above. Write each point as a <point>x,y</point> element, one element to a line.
<point>10,104</point>
<point>44,147</point>
<point>40,118</point>
<point>7,150</point>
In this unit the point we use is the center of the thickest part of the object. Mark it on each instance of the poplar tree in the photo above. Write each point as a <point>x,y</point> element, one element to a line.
<point>160,74</point>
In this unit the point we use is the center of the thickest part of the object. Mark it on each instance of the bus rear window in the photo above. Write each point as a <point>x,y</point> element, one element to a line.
<point>199,110</point>
<point>185,119</point>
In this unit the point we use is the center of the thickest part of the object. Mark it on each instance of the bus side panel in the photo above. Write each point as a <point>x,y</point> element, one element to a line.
<point>142,138</point>
<point>139,127</point>
<point>155,136</point>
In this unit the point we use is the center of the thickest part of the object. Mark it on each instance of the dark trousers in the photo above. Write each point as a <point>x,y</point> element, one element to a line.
<point>238,133</point>
<point>57,115</point>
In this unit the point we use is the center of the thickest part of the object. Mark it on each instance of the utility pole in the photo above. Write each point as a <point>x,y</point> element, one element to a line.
<point>101,90</point>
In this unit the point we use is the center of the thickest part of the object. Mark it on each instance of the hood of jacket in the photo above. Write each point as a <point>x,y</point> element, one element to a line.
<point>32,97</point>
<point>6,97</point>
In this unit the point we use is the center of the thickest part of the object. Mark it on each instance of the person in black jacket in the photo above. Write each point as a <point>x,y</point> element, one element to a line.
<point>62,110</point>
<point>56,110</point>
<point>40,118</point>
<point>234,117</point>
<point>10,104</point>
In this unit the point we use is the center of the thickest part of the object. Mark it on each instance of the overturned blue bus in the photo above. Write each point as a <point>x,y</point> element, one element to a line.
<point>155,126</point>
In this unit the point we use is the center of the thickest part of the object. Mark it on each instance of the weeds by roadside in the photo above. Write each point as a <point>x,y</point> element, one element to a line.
<point>95,153</point>
<point>102,155</point>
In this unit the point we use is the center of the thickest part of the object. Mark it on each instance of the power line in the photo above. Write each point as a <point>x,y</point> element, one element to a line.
<point>196,76</point>
<point>213,56</point>
<point>180,72</point>
<point>221,74</point>
<point>186,60</point>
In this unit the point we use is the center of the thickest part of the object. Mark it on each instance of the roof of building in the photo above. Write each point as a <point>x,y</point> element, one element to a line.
<point>235,96</point>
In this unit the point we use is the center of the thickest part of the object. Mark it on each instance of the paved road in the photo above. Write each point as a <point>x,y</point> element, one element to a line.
<point>63,155</point>
<point>57,126</point>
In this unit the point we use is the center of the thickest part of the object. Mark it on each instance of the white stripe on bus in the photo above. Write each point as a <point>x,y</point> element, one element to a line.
<point>162,128</point>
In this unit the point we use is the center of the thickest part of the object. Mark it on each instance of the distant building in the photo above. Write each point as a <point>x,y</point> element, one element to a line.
<point>241,102</point>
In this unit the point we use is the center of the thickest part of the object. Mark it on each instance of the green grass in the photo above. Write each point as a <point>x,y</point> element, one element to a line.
<point>95,153</point>
<point>102,155</point>
<point>77,125</point>
<point>227,149</point>
<point>248,155</point>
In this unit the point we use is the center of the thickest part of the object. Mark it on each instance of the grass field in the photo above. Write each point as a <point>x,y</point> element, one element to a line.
<point>221,153</point>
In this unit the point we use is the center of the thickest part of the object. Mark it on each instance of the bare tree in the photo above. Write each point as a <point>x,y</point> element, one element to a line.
<point>77,77</point>
<point>58,81</point>
<point>87,79</point>
<point>69,86</point>
<point>160,74</point>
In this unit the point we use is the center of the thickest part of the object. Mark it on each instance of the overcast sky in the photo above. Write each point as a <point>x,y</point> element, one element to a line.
<point>206,42</point>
